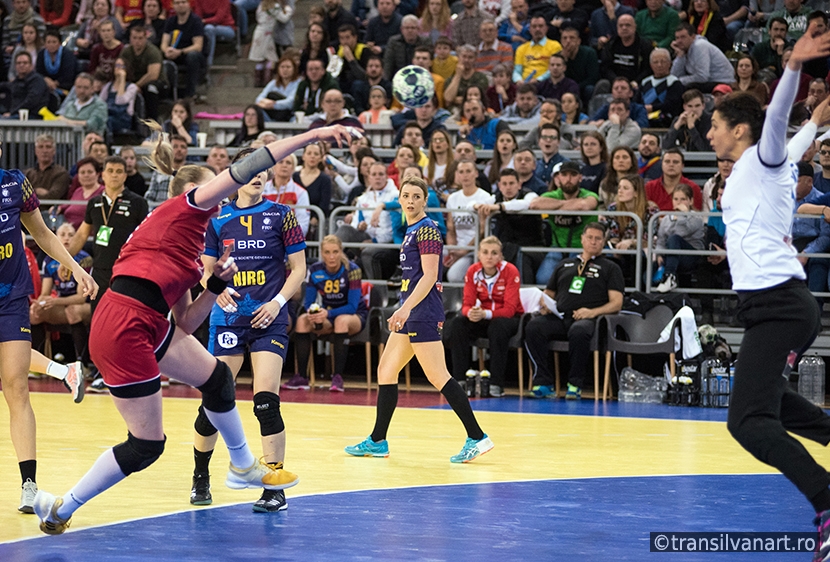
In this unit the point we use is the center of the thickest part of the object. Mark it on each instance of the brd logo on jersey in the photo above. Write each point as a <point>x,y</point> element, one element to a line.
<point>227,340</point>
<point>251,244</point>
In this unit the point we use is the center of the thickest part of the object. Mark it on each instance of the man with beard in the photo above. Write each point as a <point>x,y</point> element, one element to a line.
<point>648,162</point>
<point>482,129</point>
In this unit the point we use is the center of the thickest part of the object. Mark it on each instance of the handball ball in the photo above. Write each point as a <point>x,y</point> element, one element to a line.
<point>413,86</point>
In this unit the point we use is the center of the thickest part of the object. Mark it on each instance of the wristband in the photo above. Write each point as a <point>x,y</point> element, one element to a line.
<point>280,299</point>
<point>216,285</point>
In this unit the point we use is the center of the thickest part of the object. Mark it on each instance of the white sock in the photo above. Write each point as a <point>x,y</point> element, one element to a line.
<point>57,370</point>
<point>229,425</point>
<point>104,474</point>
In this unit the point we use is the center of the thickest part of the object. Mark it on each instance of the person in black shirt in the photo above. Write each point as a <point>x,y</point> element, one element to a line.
<point>585,288</point>
<point>182,42</point>
<point>135,181</point>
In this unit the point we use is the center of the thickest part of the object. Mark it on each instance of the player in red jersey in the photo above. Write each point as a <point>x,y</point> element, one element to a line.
<point>132,342</point>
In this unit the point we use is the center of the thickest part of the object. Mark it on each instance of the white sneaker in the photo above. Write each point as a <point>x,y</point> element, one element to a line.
<point>27,497</point>
<point>260,475</point>
<point>46,507</point>
<point>668,284</point>
<point>74,381</point>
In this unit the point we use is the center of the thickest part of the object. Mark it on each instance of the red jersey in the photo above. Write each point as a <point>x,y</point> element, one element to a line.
<point>165,248</point>
<point>132,9</point>
<point>656,192</point>
<point>498,294</point>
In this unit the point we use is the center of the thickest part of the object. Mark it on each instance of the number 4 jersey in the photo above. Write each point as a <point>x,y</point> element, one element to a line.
<point>262,237</point>
<point>16,196</point>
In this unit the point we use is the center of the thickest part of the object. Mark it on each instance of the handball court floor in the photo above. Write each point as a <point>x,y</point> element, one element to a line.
<point>566,481</point>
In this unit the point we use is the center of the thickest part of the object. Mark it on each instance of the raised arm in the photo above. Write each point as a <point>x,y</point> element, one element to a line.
<point>228,182</point>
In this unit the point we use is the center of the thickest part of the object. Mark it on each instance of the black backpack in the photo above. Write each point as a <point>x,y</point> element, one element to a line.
<point>640,303</point>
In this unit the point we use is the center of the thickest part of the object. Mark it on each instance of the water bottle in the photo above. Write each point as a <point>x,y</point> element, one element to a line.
<point>472,375</point>
<point>713,373</point>
<point>811,378</point>
<point>484,384</point>
<point>314,309</point>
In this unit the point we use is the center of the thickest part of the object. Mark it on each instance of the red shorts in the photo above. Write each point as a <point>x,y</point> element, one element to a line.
<point>126,341</point>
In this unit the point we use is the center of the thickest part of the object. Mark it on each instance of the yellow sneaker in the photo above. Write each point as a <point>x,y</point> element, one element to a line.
<point>261,475</point>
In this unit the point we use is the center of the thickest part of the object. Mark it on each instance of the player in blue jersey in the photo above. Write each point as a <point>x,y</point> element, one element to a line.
<point>68,306</point>
<point>416,330</point>
<point>19,205</point>
<point>343,311</point>
<point>251,315</point>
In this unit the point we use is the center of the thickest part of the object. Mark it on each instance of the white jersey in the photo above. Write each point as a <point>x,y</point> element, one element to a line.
<point>757,209</point>
<point>465,223</point>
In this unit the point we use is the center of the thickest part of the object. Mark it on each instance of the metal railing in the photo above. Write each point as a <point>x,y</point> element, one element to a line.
<point>18,138</point>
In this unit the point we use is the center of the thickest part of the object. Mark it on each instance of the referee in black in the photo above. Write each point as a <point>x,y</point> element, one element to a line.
<point>585,287</point>
<point>110,219</point>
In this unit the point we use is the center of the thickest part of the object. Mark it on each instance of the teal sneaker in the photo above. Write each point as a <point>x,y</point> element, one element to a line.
<point>542,391</point>
<point>473,449</point>
<point>574,392</point>
<point>368,448</point>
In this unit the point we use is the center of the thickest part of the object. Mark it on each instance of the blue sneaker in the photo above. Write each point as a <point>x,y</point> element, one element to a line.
<point>368,448</point>
<point>574,392</point>
<point>542,391</point>
<point>473,449</point>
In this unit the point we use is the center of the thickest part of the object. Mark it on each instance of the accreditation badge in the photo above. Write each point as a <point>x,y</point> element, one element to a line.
<point>102,238</point>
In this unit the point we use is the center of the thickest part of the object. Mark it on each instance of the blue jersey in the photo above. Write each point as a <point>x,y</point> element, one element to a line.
<point>16,196</point>
<point>421,238</point>
<point>341,290</point>
<point>262,236</point>
<point>65,287</point>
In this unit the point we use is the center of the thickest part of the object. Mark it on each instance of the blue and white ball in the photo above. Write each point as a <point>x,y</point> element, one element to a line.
<point>413,86</point>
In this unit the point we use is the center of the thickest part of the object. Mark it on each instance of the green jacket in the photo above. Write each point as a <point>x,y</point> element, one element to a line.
<point>659,30</point>
<point>567,229</point>
<point>94,113</point>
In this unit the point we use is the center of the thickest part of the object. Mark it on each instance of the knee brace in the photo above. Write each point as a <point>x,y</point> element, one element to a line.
<point>202,425</point>
<point>134,454</point>
<point>267,411</point>
<point>218,394</point>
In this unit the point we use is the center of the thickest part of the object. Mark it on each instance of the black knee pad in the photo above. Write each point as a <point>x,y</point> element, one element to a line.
<point>218,394</point>
<point>267,411</point>
<point>202,425</point>
<point>134,454</point>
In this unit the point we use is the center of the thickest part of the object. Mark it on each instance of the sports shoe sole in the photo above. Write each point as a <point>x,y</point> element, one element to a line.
<point>257,509</point>
<point>47,505</point>
<point>375,455</point>
<point>207,501</point>
<point>235,484</point>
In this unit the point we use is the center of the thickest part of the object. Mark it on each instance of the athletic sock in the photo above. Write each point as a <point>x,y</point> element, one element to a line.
<point>202,461</point>
<point>80,338</point>
<point>104,474</point>
<point>229,425</point>
<point>302,345</point>
<point>57,370</point>
<point>821,501</point>
<point>460,404</point>
<point>387,402</point>
<point>28,470</point>
<point>341,352</point>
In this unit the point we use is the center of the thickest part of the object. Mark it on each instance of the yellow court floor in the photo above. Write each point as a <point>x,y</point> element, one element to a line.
<point>528,447</point>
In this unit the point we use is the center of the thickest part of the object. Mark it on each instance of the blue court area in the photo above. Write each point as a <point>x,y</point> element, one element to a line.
<point>579,519</point>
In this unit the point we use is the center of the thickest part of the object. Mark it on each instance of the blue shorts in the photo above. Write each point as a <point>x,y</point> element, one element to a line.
<point>235,340</point>
<point>422,332</point>
<point>14,320</point>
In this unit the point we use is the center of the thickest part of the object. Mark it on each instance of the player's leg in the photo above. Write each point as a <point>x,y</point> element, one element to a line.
<point>430,355</point>
<point>144,445</point>
<point>78,317</point>
<point>267,368</point>
<point>344,326</point>
<point>71,375</point>
<point>14,366</point>
<point>188,361</point>
<point>397,353</point>
<point>204,442</point>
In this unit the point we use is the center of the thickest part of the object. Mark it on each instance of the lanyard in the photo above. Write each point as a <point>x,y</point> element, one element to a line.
<point>581,267</point>
<point>107,215</point>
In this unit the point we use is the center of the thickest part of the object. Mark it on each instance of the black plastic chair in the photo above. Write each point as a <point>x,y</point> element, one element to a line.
<point>635,335</point>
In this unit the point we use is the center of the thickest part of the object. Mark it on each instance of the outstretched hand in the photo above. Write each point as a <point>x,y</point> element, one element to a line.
<point>810,46</point>
<point>821,114</point>
<point>338,134</point>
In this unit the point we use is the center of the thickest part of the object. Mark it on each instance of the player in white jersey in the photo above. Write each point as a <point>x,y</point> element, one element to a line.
<point>780,316</point>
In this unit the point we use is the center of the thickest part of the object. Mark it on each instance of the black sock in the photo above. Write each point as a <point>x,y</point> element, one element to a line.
<point>28,469</point>
<point>341,352</point>
<point>821,501</point>
<point>387,402</point>
<point>302,346</point>
<point>202,461</point>
<point>79,339</point>
<point>460,404</point>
